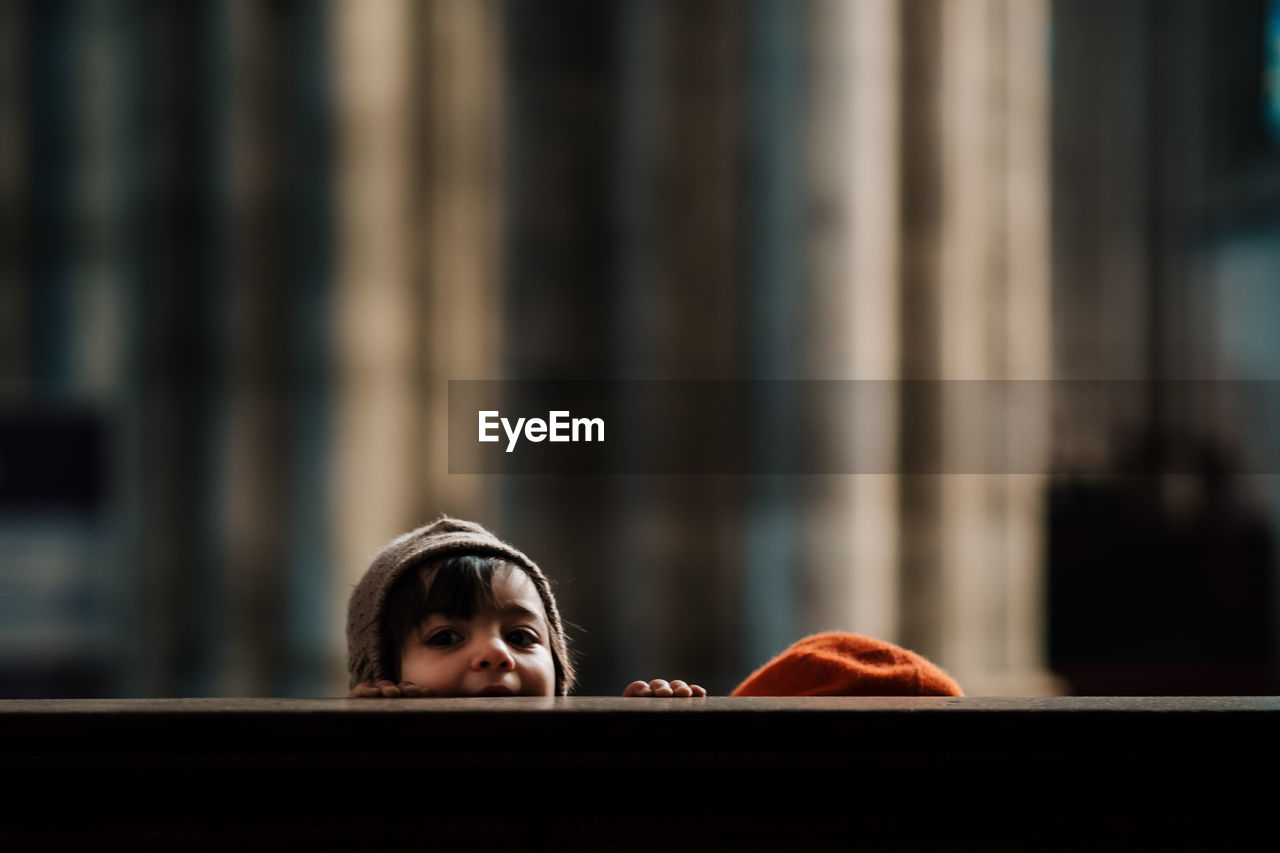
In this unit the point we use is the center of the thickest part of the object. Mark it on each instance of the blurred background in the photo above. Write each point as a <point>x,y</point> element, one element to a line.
<point>245,245</point>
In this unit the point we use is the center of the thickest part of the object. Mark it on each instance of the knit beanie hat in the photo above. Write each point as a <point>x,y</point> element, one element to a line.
<point>841,664</point>
<point>442,538</point>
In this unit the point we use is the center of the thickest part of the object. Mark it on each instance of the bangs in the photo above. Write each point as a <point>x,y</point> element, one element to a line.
<point>458,586</point>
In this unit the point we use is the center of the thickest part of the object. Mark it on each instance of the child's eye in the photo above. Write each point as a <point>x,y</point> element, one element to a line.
<point>444,637</point>
<point>522,637</point>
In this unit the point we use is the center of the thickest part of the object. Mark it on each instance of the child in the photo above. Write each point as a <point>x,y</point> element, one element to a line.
<point>451,610</point>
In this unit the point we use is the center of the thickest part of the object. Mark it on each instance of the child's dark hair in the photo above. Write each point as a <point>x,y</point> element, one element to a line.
<point>447,567</point>
<point>455,586</point>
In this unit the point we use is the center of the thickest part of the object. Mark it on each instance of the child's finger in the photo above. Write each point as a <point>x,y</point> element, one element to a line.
<point>364,690</point>
<point>408,688</point>
<point>387,688</point>
<point>662,688</point>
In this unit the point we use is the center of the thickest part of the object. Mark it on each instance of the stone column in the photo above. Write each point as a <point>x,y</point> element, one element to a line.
<point>418,278</point>
<point>459,257</point>
<point>975,251</point>
<point>377,315</point>
<point>854,184</point>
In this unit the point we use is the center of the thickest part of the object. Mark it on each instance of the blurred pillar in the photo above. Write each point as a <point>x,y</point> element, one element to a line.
<point>175,353</point>
<point>257,324</point>
<point>1020,657</point>
<point>271,114</point>
<point>626,164</point>
<point>93,303</point>
<point>459,259</point>
<point>102,257</point>
<point>699,214</point>
<point>974,307</point>
<point>774,251</point>
<point>1101,216</point>
<point>637,319</point>
<point>1135,213</point>
<point>854,183</point>
<point>417,291</point>
<point>377,316</point>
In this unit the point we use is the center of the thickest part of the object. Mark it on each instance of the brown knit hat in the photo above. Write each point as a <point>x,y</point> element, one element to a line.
<point>841,664</point>
<point>442,537</point>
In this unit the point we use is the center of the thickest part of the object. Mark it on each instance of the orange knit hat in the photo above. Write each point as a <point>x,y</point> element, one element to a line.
<point>840,664</point>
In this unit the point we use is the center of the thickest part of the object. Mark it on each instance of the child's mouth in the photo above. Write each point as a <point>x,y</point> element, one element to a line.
<point>496,690</point>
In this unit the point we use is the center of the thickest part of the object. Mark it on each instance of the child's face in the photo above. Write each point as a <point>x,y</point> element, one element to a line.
<point>502,650</point>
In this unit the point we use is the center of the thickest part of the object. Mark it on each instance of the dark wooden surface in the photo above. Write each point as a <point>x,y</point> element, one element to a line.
<point>612,773</point>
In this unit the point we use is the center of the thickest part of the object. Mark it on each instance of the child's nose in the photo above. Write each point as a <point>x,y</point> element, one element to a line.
<point>492,653</point>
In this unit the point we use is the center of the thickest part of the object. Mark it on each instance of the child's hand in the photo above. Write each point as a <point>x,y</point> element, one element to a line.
<point>661,688</point>
<point>389,689</point>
